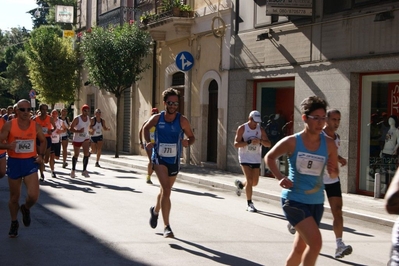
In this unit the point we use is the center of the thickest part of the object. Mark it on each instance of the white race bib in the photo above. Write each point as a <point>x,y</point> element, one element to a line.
<point>24,146</point>
<point>310,164</point>
<point>253,148</point>
<point>45,130</point>
<point>83,135</point>
<point>55,138</point>
<point>167,149</point>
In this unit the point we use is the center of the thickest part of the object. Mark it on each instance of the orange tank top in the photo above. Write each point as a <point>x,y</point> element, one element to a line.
<point>45,124</point>
<point>26,140</point>
<point>2,122</point>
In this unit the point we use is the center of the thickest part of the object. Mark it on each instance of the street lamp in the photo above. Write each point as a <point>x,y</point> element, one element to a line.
<point>40,11</point>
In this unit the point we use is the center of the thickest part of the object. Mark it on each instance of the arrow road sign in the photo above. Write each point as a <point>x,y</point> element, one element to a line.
<point>184,61</point>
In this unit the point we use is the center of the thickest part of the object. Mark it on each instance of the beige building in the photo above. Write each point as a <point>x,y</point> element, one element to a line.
<point>269,56</point>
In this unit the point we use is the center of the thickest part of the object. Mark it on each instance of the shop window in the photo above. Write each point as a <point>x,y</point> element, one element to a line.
<point>379,131</point>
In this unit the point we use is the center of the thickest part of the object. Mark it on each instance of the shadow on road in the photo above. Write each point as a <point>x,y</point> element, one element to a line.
<point>217,256</point>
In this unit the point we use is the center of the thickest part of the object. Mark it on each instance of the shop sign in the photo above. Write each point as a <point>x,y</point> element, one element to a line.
<point>289,7</point>
<point>64,14</point>
<point>393,101</point>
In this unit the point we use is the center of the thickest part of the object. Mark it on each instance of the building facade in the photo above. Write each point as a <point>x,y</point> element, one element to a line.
<point>250,55</point>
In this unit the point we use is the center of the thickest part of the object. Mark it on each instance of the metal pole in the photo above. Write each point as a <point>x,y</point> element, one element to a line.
<point>377,185</point>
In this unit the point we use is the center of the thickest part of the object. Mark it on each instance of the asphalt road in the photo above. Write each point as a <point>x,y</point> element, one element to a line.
<point>103,220</point>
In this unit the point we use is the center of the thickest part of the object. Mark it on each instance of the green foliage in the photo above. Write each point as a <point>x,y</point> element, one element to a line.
<point>185,8</point>
<point>14,82</point>
<point>52,64</point>
<point>114,56</point>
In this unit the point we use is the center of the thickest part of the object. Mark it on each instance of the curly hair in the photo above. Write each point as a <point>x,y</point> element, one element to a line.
<point>170,92</point>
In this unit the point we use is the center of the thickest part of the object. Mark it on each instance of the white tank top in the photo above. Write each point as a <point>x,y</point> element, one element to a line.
<point>80,137</point>
<point>55,137</point>
<point>97,128</point>
<point>327,179</point>
<point>251,153</point>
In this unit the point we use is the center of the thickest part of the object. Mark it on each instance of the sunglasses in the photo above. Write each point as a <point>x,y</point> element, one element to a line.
<point>25,109</point>
<point>172,103</point>
<point>318,118</point>
<point>98,112</point>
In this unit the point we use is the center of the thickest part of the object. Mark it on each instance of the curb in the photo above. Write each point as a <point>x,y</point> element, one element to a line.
<point>192,178</point>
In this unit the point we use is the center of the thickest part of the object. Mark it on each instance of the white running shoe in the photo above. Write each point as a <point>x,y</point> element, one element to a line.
<point>73,174</point>
<point>343,250</point>
<point>238,184</point>
<point>291,228</point>
<point>251,208</point>
<point>85,174</point>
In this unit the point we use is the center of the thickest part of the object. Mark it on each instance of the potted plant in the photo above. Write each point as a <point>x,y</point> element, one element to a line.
<point>186,11</point>
<point>145,18</point>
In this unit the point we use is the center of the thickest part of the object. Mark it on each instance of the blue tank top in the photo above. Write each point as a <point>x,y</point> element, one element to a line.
<point>306,170</point>
<point>168,136</point>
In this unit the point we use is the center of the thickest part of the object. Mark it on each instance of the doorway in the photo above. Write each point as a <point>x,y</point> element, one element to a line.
<point>212,122</point>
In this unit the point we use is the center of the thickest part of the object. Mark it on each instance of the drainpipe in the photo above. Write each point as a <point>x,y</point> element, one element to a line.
<point>154,74</point>
<point>188,97</point>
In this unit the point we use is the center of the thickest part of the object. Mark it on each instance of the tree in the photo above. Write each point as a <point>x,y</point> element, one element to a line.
<point>52,64</point>
<point>14,81</point>
<point>114,58</point>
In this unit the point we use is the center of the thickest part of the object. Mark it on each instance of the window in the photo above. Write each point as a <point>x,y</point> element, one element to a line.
<point>335,6</point>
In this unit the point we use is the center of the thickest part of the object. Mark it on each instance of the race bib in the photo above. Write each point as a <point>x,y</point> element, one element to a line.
<point>98,132</point>
<point>55,138</point>
<point>45,130</point>
<point>83,135</point>
<point>24,146</point>
<point>310,164</point>
<point>252,148</point>
<point>167,149</point>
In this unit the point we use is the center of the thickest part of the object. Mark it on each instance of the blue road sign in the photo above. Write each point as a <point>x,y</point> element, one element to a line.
<point>184,61</point>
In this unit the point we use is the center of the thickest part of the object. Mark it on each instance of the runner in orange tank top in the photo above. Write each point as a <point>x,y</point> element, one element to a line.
<point>3,161</point>
<point>46,123</point>
<point>21,135</point>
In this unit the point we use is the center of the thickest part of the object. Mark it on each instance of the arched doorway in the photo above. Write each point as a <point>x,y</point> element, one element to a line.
<point>212,146</point>
<point>178,84</point>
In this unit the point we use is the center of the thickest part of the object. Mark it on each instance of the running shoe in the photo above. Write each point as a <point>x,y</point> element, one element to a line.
<point>13,229</point>
<point>73,174</point>
<point>98,165</point>
<point>42,178</point>
<point>239,187</point>
<point>291,228</point>
<point>25,215</point>
<point>149,181</point>
<point>64,164</point>
<point>343,250</point>
<point>53,174</point>
<point>168,232</point>
<point>85,173</point>
<point>154,218</point>
<point>251,208</point>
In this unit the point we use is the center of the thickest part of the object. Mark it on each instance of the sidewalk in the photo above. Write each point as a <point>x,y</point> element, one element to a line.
<point>355,206</point>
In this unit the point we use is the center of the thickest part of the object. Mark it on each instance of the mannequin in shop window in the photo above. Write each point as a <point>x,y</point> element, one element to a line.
<point>389,152</point>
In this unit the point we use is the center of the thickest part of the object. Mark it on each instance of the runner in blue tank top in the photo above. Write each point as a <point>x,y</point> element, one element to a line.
<point>309,154</point>
<point>171,127</point>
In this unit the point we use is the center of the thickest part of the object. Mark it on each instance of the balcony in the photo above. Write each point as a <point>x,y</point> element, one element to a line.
<point>168,25</point>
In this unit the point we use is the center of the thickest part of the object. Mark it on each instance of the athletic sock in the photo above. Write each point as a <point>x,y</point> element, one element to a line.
<point>85,162</point>
<point>74,160</point>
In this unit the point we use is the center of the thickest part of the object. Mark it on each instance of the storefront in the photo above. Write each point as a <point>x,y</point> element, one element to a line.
<point>378,134</point>
<point>275,102</point>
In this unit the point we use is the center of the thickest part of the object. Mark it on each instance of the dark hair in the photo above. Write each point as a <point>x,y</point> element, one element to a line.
<point>333,111</point>
<point>43,105</point>
<point>170,92</point>
<point>312,103</point>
